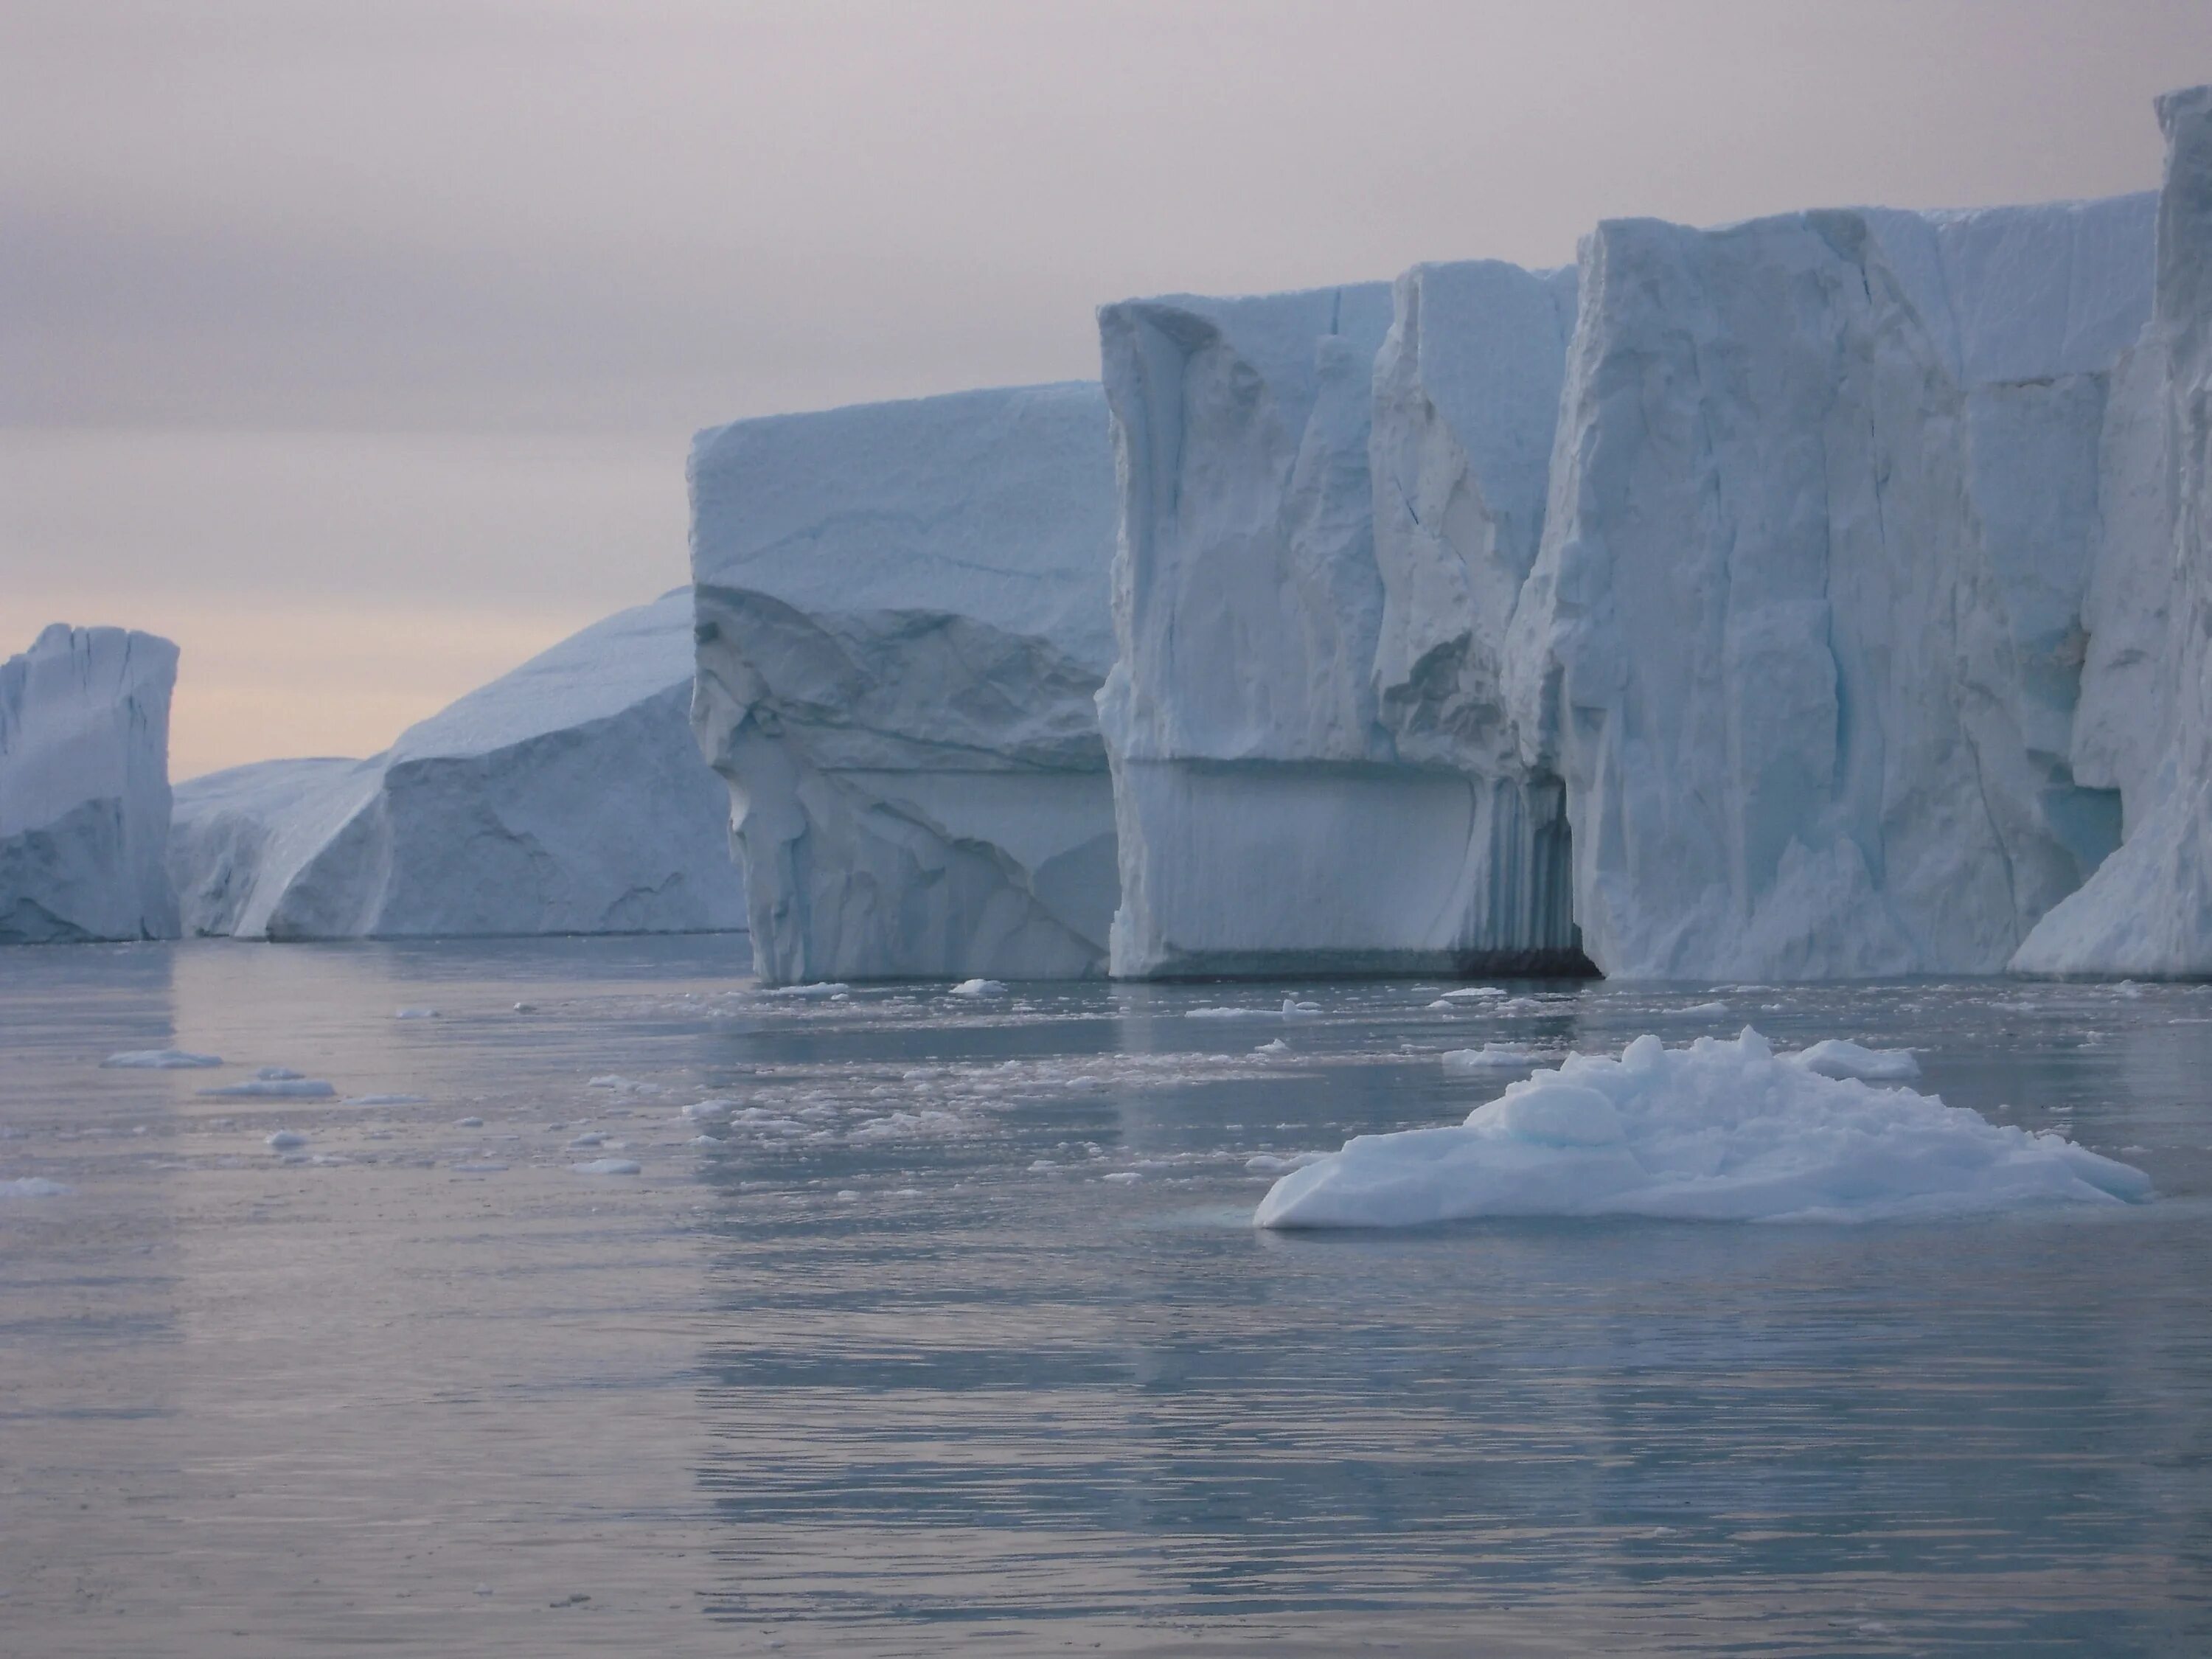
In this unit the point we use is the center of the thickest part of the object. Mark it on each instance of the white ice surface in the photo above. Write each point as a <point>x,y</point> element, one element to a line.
<point>1835,1057</point>
<point>564,797</point>
<point>84,787</point>
<point>1723,1130</point>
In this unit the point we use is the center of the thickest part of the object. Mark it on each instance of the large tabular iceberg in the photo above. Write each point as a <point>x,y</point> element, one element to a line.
<point>84,787</point>
<point>2145,725</point>
<point>1805,635</point>
<point>566,796</point>
<point>1319,551</point>
<point>902,625</point>
<point>1723,1130</point>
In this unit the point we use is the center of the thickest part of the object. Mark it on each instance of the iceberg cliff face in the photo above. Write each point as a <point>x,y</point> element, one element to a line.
<point>1318,556</point>
<point>1804,636</point>
<point>84,787</point>
<point>2146,721</point>
<point>901,625</point>
<point>563,798</point>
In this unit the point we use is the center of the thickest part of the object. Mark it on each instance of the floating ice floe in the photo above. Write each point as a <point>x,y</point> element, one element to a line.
<point>978,988</point>
<point>416,1014</point>
<point>1837,1059</point>
<point>33,1187</point>
<point>1491,1058</point>
<point>388,1100</point>
<point>1291,1009</point>
<point>808,993</point>
<point>161,1059</point>
<point>272,1083</point>
<point>607,1166</point>
<point>286,1140</point>
<point>1723,1130</point>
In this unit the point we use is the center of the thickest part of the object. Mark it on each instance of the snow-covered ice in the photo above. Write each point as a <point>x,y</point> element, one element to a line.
<point>1721,1130</point>
<point>84,787</point>
<point>902,621</point>
<point>978,988</point>
<point>566,796</point>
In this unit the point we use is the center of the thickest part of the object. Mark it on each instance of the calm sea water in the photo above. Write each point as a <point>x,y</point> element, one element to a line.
<point>956,1338</point>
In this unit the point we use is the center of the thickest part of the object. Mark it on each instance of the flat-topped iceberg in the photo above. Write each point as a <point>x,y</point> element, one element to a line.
<point>1328,502</point>
<point>566,796</point>
<point>1723,1130</point>
<point>1804,637</point>
<point>2145,725</point>
<point>84,787</point>
<point>902,625</point>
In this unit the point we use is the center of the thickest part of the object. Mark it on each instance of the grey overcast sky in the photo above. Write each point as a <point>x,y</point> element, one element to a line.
<point>356,343</point>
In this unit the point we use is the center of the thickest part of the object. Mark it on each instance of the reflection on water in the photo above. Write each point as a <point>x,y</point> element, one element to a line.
<point>948,1332</point>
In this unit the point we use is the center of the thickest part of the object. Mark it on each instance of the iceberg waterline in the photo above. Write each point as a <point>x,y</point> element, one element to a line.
<point>1723,1130</point>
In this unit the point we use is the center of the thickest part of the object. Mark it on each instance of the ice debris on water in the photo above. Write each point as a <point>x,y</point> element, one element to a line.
<point>161,1059</point>
<point>978,988</point>
<point>1721,1130</point>
<point>607,1166</point>
<point>286,1140</point>
<point>808,993</point>
<point>387,1100</point>
<point>1293,1009</point>
<point>416,1014</point>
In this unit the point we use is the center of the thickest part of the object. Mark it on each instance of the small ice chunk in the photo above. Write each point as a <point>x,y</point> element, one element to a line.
<point>387,1100</point>
<point>1834,1057</point>
<point>1124,1177</point>
<point>416,1013</point>
<point>978,988</point>
<point>290,1086</point>
<point>161,1059</point>
<point>31,1187</point>
<point>1706,1008</point>
<point>476,1169</point>
<point>607,1166</point>
<point>1490,1059</point>
<point>699,1110</point>
<point>1473,993</point>
<point>1723,1130</point>
<point>525,1007</point>
<point>590,1138</point>
<point>277,1075</point>
<point>808,993</point>
<point>468,1123</point>
<point>286,1140</point>
<point>1293,1009</point>
<point>1273,1046</point>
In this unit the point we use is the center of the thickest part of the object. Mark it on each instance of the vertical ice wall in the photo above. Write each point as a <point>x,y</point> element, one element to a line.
<point>566,796</point>
<point>84,787</point>
<point>1804,637</point>
<point>2145,725</point>
<point>1301,718</point>
<point>901,625</point>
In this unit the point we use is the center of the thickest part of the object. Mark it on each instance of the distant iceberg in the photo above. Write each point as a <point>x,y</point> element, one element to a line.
<point>84,787</point>
<point>563,798</point>
<point>903,623</point>
<point>1723,1130</point>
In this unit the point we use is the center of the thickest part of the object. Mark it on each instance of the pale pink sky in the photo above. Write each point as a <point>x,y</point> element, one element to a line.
<point>356,346</point>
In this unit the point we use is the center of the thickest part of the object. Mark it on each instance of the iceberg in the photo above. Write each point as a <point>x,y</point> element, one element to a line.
<point>2145,723</point>
<point>1329,501</point>
<point>902,625</point>
<point>1804,637</point>
<point>84,787</point>
<point>1723,1130</point>
<point>566,796</point>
